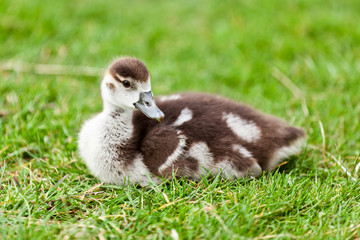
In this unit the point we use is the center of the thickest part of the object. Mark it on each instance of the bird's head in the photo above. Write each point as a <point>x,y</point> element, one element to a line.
<point>126,85</point>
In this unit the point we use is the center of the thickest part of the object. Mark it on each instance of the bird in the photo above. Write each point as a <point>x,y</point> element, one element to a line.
<point>138,139</point>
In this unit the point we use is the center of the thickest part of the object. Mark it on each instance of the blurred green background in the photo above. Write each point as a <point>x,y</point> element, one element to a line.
<point>229,48</point>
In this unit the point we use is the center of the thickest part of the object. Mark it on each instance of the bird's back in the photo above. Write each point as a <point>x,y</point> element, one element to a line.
<point>215,127</point>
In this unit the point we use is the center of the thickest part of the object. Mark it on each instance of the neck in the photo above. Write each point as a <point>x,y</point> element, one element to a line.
<point>110,108</point>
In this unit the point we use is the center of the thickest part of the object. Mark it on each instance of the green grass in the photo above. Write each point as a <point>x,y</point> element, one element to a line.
<point>230,48</point>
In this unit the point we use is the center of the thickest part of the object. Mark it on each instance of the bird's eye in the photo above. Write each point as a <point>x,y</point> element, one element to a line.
<point>126,83</point>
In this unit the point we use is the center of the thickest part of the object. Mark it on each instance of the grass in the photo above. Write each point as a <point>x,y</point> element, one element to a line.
<point>247,51</point>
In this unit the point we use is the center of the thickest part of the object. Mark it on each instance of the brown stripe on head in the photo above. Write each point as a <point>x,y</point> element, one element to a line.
<point>128,67</point>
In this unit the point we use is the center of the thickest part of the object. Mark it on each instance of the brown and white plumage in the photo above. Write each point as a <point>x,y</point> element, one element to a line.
<point>200,133</point>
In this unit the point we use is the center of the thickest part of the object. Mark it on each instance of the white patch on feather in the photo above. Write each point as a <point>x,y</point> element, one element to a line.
<point>243,151</point>
<point>176,154</point>
<point>137,172</point>
<point>170,97</point>
<point>185,115</point>
<point>228,170</point>
<point>285,152</point>
<point>254,171</point>
<point>200,151</point>
<point>246,130</point>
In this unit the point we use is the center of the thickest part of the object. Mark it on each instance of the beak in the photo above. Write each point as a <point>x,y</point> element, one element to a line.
<point>146,104</point>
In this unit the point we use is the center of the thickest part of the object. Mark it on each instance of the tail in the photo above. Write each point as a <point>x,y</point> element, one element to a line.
<point>293,140</point>
<point>293,134</point>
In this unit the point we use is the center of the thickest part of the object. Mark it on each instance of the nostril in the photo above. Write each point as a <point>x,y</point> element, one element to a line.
<point>147,103</point>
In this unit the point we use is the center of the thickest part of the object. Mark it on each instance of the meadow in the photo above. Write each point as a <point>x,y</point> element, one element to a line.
<point>298,60</point>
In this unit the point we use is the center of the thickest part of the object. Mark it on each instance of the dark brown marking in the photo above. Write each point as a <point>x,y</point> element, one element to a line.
<point>128,67</point>
<point>157,146</point>
<point>110,86</point>
<point>183,167</point>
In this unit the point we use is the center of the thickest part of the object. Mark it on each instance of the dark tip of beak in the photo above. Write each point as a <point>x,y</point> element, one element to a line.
<point>160,119</point>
